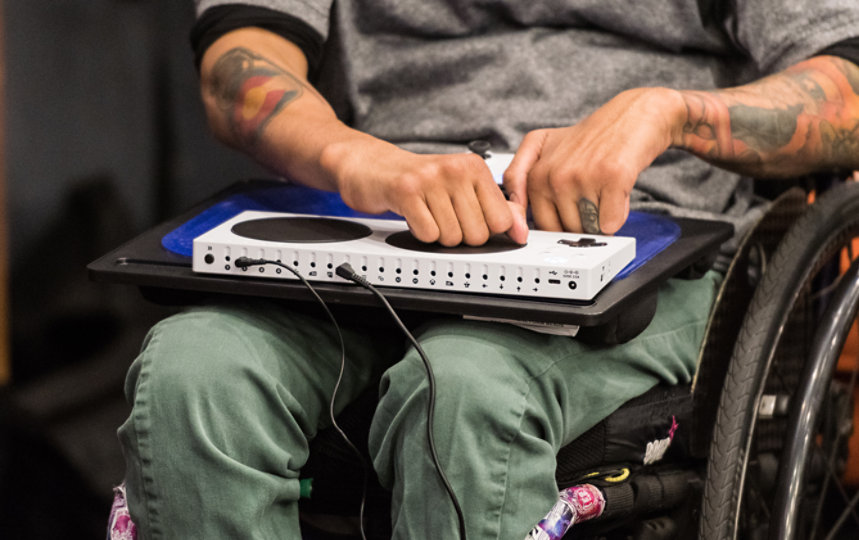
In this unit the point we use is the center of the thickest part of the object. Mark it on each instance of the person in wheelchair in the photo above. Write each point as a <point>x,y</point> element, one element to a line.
<point>663,106</point>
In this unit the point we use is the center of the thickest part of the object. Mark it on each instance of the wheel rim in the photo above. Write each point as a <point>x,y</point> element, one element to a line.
<point>825,507</point>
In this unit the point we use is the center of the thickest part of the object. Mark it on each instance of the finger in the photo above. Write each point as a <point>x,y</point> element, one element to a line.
<point>444,214</point>
<point>470,216</point>
<point>545,214</point>
<point>613,210</point>
<point>567,203</point>
<point>589,215</point>
<point>496,211</point>
<point>518,231</point>
<point>478,202</point>
<point>516,175</point>
<point>421,221</point>
<point>567,193</point>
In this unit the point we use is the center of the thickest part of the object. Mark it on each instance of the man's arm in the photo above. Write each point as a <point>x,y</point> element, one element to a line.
<point>803,119</point>
<point>257,98</point>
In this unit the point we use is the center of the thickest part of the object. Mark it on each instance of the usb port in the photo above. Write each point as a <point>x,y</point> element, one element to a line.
<point>554,282</point>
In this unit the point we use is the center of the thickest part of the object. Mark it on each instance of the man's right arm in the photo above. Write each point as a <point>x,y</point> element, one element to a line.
<point>257,99</point>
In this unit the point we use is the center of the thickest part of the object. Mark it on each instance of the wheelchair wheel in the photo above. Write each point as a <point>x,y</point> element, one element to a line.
<point>756,448</point>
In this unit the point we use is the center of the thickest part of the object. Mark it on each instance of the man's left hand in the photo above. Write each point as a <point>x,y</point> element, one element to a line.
<point>579,178</point>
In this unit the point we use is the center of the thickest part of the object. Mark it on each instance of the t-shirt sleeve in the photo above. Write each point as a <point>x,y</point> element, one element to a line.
<point>847,49</point>
<point>778,33</point>
<point>315,13</point>
<point>218,20</point>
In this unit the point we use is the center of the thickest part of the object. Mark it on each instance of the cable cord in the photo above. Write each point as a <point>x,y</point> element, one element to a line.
<point>346,271</point>
<point>245,262</point>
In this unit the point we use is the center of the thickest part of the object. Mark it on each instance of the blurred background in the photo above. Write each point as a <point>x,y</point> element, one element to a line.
<point>103,135</point>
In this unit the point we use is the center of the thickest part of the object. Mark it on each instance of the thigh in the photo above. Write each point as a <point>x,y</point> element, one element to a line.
<point>221,350</point>
<point>577,383</point>
<point>507,399</point>
<point>225,398</point>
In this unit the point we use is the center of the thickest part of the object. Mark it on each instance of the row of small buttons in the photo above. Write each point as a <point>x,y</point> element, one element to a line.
<point>210,259</point>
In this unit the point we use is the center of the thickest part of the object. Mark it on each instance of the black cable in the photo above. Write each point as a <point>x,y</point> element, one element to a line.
<point>346,271</point>
<point>245,262</point>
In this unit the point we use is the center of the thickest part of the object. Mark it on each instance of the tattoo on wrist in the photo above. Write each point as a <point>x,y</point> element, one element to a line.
<point>589,214</point>
<point>251,90</point>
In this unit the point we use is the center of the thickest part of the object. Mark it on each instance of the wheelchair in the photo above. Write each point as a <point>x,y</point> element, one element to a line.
<point>756,447</point>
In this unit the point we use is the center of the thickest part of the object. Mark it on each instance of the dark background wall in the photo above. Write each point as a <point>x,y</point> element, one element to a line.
<point>105,136</point>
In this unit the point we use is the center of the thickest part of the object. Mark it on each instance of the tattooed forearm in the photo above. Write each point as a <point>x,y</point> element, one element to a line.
<point>841,142</point>
<point>765,130</point>
<point>805,81</point>
<point>804,118</point>
<point>250,91</point>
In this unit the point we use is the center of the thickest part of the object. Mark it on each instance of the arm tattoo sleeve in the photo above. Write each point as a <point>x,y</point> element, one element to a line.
<point>250,91</point>
<point>806,116</point>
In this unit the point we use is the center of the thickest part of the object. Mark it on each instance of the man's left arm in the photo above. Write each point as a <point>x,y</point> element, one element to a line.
<point>802,119</point>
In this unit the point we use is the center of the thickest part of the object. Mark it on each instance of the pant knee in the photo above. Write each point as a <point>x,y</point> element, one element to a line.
<point>190,360</point>
<point>476,397</point>
<point>209,415</point>
<point>484,409</point>
<point>471,382</point>
<point>206,388</point>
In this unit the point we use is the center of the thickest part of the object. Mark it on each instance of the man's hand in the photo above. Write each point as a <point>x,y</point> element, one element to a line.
<point>800,120</point>
<point>254,84</point>
<point>449,198</point>
<point>579,178</point>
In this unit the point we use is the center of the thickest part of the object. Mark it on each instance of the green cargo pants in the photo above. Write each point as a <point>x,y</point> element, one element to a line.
<point>225,398</point>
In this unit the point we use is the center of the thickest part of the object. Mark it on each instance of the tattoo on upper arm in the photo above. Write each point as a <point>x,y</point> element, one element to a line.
<point>251,90</point>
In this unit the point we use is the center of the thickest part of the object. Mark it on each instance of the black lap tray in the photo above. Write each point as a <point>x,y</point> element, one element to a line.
<point>165,275</point>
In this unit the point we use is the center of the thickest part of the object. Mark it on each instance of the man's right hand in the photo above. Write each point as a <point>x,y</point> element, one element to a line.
<point>448,198</point>
<point>254,85</point>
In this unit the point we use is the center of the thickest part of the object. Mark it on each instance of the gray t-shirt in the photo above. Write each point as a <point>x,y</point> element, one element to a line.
<point>431,75</point>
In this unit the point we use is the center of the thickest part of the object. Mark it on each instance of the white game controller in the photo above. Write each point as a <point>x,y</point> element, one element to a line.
<point>497,164</point>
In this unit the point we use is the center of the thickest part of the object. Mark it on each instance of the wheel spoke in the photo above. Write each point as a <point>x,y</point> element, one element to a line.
<point>850,503</point>
<point>843,411</point>
<point>850,509</point>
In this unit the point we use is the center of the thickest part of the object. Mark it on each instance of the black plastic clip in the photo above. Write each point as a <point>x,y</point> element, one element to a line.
<point>480,147</point>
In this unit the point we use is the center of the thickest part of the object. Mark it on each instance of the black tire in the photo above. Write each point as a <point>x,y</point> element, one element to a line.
<point>768,355</point>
